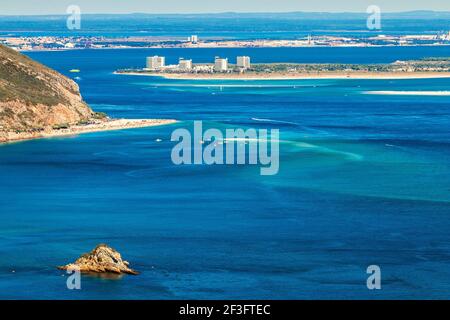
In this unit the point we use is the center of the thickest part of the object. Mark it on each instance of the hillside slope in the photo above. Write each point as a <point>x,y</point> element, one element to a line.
<point>35,98</point>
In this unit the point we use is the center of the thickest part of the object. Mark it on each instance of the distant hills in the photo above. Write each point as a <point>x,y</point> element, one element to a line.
<point>228,24</point>
<point>421,14</point>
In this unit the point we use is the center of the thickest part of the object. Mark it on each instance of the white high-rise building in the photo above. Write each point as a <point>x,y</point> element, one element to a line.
<point>193,38</point>
<point>221,64</point>
<point>184,64</point>
<point>243,62</point>
<point>156,62</point>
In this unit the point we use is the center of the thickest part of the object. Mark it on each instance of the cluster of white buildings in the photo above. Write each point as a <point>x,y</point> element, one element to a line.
<point>243,62</point>
<point>221,64</point>
<point>193,39</point>
<point>158,63</point>
<point>185,64</point>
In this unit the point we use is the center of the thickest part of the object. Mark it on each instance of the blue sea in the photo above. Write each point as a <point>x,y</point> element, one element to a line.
<point>364,180</point>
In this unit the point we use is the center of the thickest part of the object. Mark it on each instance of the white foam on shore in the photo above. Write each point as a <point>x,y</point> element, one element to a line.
<point>410,93</point>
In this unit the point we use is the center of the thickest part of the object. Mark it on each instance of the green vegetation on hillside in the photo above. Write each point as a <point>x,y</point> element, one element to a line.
<point>35,98</point>
<point>25,80</point>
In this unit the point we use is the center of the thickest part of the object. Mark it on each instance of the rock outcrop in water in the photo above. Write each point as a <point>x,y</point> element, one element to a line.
<point>35,99</point>
<point>102,259</point>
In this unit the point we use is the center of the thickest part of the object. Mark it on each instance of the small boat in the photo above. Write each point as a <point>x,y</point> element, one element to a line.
<point>74,70</point>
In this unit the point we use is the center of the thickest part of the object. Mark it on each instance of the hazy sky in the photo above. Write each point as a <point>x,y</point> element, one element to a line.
<point>20,7</point>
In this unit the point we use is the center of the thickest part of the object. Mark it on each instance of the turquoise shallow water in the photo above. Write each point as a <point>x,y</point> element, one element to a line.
<point>363,180</point>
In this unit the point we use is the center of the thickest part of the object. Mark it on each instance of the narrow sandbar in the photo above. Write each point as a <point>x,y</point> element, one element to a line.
<point>294,76</point>
<point>410,93</point>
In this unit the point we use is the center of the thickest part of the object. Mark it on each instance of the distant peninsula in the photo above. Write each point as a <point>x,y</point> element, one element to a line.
<point>244,70</point>
<point>36,101</point>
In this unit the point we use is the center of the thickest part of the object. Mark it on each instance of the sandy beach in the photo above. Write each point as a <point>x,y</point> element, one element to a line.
<point>410,93</point>
<point>294,76</point>
<point>119,124</point>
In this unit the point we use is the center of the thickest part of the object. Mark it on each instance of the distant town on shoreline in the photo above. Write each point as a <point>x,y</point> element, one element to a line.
<point>49,43</point>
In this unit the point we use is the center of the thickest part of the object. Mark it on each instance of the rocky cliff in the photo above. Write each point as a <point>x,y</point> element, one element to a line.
<point>35,99</point>
<point>103,259</point>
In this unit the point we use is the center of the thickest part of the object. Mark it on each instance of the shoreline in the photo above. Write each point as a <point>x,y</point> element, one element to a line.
<point>111,125</point>
<point>409,93</point>
<point>237,47</point>
<point>295,76</point>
